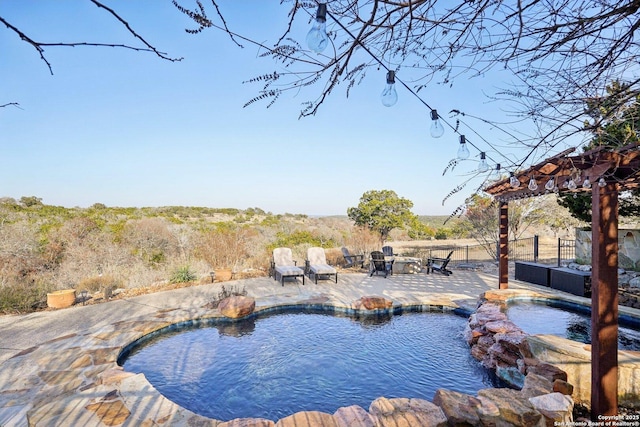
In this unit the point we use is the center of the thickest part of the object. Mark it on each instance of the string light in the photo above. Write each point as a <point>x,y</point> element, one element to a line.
<point>550,185</point>
<point>497,174</point>
<point>513,181</point>
<point>483,166</point>
<point>317,38</point>
<point>602,182</point>
<point>436,127</point>
<point>389,96</point>
<point>533,185</point>
<point>463,151</point>
<point>572,185</point>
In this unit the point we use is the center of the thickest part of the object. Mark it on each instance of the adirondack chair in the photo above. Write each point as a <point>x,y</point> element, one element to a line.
<point>352,260</point>
<point>439,265</point>
<point>379,264</point>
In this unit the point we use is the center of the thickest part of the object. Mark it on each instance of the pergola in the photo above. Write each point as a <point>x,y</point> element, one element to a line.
<point>604,172</point>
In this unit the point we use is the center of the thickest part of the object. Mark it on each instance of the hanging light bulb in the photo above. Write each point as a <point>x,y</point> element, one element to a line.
<point>513,181</point>
<point>550,185</point>
<point>586,183</point>
<point>463,151</point>
<point>533,185</point>
<point>483,166</point>
<point>317,38</point>
<point>602,182</point>
<point>389,96</point>
<point>436,127</point>
<point>572,185</point>
<point>497,173</point>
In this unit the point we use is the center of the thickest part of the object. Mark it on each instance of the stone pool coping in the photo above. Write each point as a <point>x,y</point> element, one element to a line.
<point>74,378</point>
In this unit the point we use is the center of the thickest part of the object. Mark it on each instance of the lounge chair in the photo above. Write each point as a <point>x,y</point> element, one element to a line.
<point>439,265</point>
<point>379,264</point>
<point>316,265</point>
<point>284,266</point>
<point>352,260</point>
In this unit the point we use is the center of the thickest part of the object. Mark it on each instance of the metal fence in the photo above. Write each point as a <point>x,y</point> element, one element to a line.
<point>529,249</point>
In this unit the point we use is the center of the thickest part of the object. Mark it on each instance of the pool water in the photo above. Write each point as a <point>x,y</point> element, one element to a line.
<point>556,319</point>
<point>274,366</point>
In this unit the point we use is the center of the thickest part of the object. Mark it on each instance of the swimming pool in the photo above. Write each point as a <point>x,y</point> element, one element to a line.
<point>275,365</point>
<point>569,321</point>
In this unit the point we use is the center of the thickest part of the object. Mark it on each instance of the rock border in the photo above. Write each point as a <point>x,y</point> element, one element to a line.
<point>77,381</point>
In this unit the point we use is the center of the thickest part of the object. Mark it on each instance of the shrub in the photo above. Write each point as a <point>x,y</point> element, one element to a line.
<point>23,297</point>
<point>99,284</point>
<point>225,293</point>
<point>182,275</point>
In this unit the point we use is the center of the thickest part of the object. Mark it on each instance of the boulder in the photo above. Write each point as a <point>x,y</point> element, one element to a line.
<point>547,370</point>
<point>459,408</point>
<point>353,416</point>
<point>513,407</point>
<point>504,355</point>
<point>404,412</point>
<point>557,407</point>
<point>501,327</point>
<point>536,385</point>
<point>372,303</point>
<point>516,341</point>
<point>237,306</point>
<point>481,349</point>
<point>563,387</point>
<point>308,419</point>
<point>511,375</point>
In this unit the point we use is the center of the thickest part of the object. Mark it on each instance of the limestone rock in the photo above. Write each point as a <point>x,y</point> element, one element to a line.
<point>511,375</point>
<point>308,419</point>
<point>513,408</point>
<point>459,408</point>
<point>536,385</point>
<point>547,370</point>
<point>555,406</point>
<point>237,306</point>
<point>517,341</point>
<point>110,412</point>
<point>404,412</point>
<point>248,422</point>
<point>353,416</point>
<point>481,349</point>
<point>563,387</point>
<point>501,326</point>
<point>371,303</point>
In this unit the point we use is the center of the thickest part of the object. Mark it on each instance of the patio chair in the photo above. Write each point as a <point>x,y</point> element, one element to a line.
<point>352,260</point>
<point>284,266</point>
<point>379,264</point>
<point>316,265</point>
<point>439,265</point>
<point>388,251</point>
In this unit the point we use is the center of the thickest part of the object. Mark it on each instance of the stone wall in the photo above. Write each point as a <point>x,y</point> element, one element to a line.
<point>628,248</point>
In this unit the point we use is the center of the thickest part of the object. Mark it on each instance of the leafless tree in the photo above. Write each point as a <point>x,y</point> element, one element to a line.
<point>558,53</point>
<point>141,45</point>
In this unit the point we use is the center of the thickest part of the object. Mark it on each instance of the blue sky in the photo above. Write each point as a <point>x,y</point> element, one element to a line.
<point>126,128</point>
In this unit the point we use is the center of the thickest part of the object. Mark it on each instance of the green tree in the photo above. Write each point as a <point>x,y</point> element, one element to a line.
<point>29,201</point>
<point>615,123</point>
<point>382,211</point>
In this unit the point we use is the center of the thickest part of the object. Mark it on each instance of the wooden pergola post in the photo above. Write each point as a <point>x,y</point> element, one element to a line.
<point>604,301</point>
<point>503,262</point>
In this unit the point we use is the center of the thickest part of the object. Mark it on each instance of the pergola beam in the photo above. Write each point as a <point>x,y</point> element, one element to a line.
<point>620,170</point>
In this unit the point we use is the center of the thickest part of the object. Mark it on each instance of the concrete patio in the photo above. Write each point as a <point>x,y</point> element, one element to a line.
<point>58,368</point>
